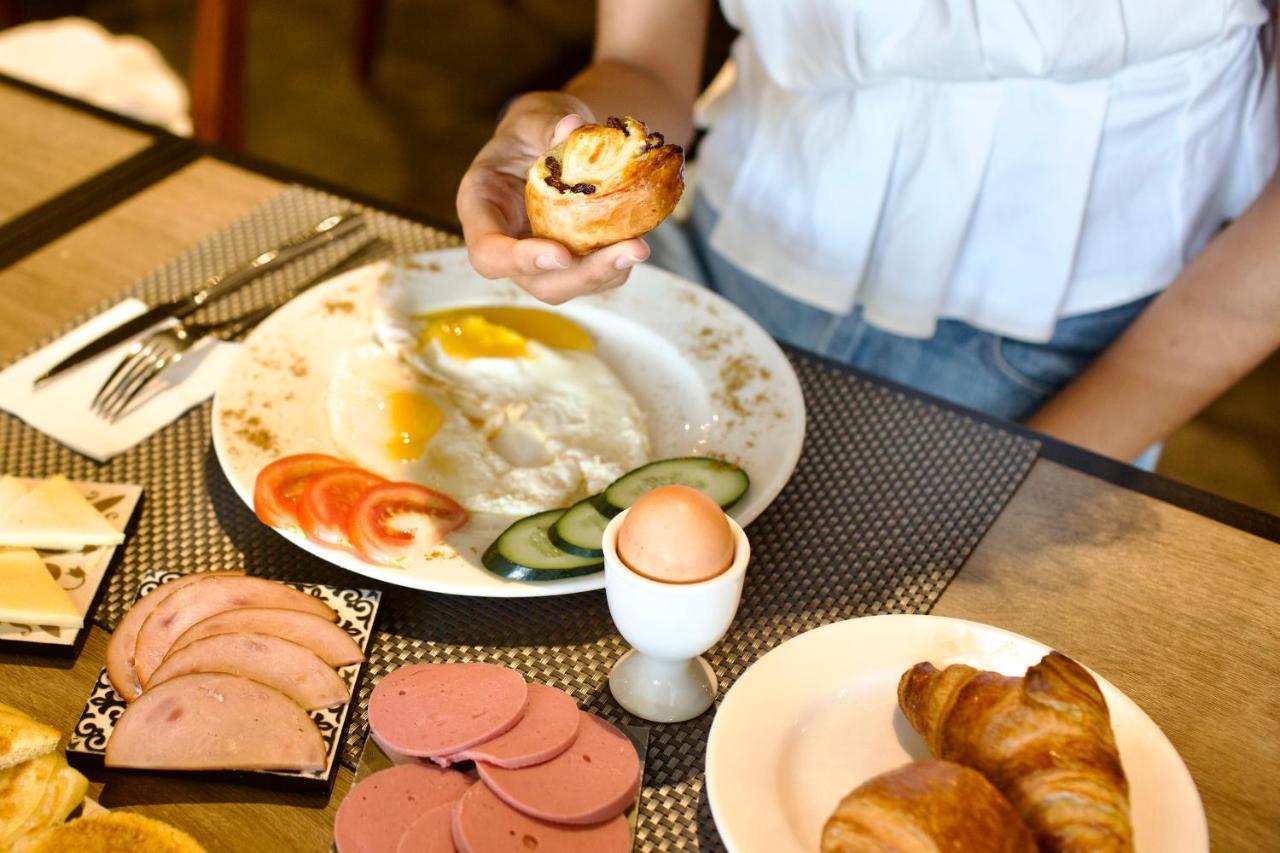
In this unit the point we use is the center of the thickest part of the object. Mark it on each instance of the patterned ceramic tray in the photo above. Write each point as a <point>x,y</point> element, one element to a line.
<point>356,608</point>
<point>80,573</point>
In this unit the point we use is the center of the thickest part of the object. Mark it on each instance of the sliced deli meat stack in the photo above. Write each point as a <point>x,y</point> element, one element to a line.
<point>431,833</point>
<point>548,727</point>
<point>205,597</point>
<point>595,779</point>
<point>120,648</point>
<point>294,670</point>
<point>331,642</point>
<point>482,823</point>
<point>440,709</point>
<point>214,721</point>
<point>378,810</point>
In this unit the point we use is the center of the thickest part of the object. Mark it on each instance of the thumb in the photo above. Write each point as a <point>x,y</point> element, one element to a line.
<point>565,126</point>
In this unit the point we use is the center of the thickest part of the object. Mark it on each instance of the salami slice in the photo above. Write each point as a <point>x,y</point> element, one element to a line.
<point>331,642</point>
<point>294,670</point>
<point>431,833</point>
<point>214,721</point>
<point>548,728</point>
<point>205,597</point>
<point>595,779</point>
<point>120,648</point>
<point>379,809</point>
<point>440,709</point>
<point>482,823</point>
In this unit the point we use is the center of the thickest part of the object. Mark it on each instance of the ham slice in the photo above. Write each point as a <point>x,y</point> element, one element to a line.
<point>124,638</point>
<point>595,779</point>
<point>431,833</point>
<point>214,721</point>
<point>548,727</point>
<point>203,598</point>
<point>379,809</point>
<point>482,823</point>
<point>331,642</point>
<point>292,669</point>
<point>441,709</point>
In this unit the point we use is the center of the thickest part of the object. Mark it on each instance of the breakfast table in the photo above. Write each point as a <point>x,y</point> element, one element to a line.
<point>1167,591</point>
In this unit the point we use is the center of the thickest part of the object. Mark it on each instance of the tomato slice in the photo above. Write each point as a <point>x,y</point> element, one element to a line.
<point>327,500</point>
<point>398,520</point>
<point>279,486</point>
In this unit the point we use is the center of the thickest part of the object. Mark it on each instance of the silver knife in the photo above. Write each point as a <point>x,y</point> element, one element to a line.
<point>215,287</point>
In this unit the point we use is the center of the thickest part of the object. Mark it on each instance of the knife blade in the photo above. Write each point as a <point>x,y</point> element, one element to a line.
<point>213,288</point>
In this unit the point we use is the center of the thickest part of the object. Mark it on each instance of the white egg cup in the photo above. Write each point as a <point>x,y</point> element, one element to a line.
<point>669,625</point>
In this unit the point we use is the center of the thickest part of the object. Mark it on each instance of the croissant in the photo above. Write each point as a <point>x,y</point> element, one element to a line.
<point>926,806</point>
<point>1044,741</point>
<point>603,185</point>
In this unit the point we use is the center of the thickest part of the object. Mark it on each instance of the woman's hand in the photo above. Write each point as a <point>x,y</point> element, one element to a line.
<point>491,208</point>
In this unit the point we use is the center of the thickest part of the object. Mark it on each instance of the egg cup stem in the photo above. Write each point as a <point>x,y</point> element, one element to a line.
<point>664,691</point>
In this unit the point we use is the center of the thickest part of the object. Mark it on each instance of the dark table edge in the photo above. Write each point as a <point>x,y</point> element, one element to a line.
<point>1224,510</point>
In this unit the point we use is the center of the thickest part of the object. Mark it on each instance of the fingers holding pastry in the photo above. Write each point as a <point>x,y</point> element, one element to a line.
<point>601,270</point>
<point>602,185</point>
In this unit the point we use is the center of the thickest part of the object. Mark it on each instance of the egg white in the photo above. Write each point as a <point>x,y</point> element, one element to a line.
<point>518,435</point>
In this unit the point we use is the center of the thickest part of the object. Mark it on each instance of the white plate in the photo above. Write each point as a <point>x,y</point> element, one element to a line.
<point>710,381</point>
<point>818,716</point>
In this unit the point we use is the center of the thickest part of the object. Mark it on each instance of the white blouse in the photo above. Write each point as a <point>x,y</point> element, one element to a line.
<point>1000,162</point>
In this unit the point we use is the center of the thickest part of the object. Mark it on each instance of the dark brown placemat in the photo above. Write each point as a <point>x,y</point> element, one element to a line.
<point>890,496</point>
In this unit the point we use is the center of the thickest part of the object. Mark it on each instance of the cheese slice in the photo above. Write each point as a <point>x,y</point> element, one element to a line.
<point>54,516</point>
<point>11,488</point>
<point>30,596</point>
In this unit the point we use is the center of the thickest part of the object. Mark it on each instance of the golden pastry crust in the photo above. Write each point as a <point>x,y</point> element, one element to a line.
<point>1044,740</point>
<point>604,184</point>
<point>925,807</point>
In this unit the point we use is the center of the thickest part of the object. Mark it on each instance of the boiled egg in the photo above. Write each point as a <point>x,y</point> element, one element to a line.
<point>676,534</point>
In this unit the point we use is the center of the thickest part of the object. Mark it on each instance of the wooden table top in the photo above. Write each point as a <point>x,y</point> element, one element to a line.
<point>1174,608</point>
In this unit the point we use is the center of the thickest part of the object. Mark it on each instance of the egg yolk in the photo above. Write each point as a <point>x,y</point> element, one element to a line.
<point>414,420</point>
<point>501,332</point>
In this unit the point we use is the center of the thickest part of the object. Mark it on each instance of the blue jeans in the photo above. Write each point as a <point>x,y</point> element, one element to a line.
<point>1000,376</point>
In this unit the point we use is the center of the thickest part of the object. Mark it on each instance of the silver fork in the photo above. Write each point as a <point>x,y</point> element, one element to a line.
<point>147,358</point>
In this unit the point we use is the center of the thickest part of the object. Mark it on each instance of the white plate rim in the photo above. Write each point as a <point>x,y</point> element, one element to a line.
<point>843,632</point>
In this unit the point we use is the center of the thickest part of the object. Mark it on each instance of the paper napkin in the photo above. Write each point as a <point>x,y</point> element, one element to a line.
<point>60,407</point>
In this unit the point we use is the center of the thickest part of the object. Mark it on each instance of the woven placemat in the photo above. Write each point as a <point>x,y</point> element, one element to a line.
<point>890,496</point>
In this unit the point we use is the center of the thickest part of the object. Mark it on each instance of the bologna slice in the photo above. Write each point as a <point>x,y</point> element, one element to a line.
<point>205,597</point>
<point>333,644</point>
<point>437,709</point>
<point>294,670</point>
<point>379,809</point>
<point>214,721</point>
<point>431,833</point>
<point>482,823</point>
<point>120,647</point>
<point>595,779</point>
<point>548,728</point>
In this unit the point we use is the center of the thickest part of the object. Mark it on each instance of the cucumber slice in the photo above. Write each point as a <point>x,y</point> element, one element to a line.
<point>580,530</point>
<point>523,552</point>
<point>719,480</point>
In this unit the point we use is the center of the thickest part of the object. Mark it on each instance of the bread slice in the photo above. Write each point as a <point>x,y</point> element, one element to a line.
<point>110,832</point>
<point>54,516</point>
<point>30,596</point>
<point>22,789</point>
<point>64,791</point>
<point>22,739</point>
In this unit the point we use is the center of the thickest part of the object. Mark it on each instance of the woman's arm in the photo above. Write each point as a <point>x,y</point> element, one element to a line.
<point>1218,320</point>
<point>647,63</point>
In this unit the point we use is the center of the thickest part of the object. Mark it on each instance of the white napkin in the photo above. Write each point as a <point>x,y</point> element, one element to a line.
<point>60,407</point>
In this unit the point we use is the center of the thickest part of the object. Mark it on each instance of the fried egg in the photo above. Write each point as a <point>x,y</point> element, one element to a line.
<point>505,409</point>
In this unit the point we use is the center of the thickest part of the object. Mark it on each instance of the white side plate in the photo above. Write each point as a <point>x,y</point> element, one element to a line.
<point>818,716</point>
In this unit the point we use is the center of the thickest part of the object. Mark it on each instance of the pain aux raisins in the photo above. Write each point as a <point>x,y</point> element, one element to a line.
<point>553,180</point>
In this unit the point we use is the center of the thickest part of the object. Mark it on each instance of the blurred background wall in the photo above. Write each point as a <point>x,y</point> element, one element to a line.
<point>394,97</point>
